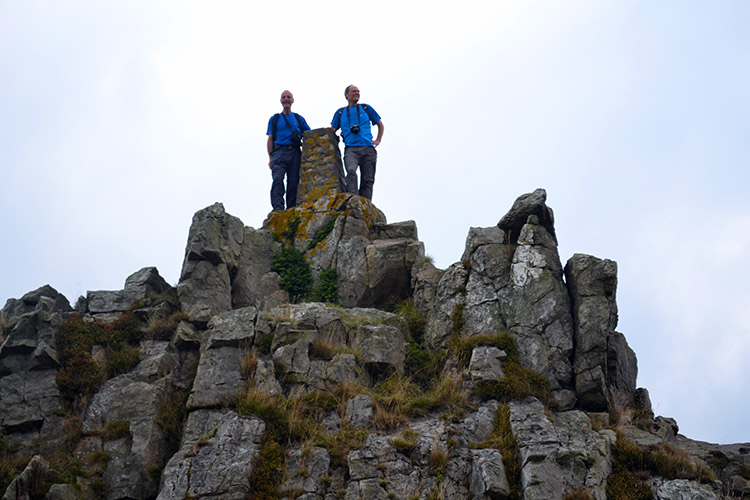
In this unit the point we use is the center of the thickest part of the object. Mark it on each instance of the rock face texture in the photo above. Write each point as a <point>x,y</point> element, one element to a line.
<point>497,378</point>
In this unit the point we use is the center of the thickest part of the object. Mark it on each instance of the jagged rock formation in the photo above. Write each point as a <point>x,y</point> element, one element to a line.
<point>499,377</point>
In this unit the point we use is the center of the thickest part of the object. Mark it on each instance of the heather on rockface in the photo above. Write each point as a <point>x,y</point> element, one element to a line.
<point>79,374</point>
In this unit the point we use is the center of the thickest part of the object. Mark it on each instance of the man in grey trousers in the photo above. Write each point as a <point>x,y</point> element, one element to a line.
<point>355,121</point>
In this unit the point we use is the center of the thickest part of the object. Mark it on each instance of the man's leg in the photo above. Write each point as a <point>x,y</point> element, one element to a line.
<point>277,186</point>
<point>292,178</point>
<point>351,161</point>
<point>368,158</point>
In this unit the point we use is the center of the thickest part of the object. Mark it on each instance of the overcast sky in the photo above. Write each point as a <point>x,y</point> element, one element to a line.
<point>120,119</point>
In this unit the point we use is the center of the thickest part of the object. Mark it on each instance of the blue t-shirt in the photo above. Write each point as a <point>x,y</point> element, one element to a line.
<point>363,114</point>
<point>284,132</point>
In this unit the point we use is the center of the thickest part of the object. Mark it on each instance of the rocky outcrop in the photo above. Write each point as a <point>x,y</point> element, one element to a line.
<point>239,393</point>
<point>501,285</point>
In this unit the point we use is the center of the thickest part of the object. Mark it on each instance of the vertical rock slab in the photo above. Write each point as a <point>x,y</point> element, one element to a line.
<point>28,366</point>
<point>254,284</point>
<point>592,284</point>
<point>219,375</point>
<point>211,260</point>
<point>536,308</point>
<point>321,169</point>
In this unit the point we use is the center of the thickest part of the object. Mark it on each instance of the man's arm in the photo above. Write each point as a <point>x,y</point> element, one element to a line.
<point>381,128</point>
<point>269,147</point>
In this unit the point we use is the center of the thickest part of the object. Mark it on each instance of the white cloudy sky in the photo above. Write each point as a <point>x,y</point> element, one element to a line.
<point>120,119</point>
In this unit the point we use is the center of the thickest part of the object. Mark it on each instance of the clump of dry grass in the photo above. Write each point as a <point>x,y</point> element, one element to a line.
<point>250,364</point>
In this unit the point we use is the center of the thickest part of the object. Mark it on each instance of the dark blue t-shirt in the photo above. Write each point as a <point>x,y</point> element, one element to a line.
<point>284,132</point>
<point>345,117</point>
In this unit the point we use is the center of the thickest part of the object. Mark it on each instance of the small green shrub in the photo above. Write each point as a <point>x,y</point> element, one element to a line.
<point>326,290</point>
<point>633,462</point>
<point>296,277</point>
<point>417,323</point>
<point>437,462</point>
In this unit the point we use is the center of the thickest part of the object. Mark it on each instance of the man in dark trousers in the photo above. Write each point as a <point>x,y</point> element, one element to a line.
<point>354,121</point>
<point>284,141</point>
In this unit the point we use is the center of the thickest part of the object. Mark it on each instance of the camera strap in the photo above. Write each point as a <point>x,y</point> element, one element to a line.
<point>347,115</point>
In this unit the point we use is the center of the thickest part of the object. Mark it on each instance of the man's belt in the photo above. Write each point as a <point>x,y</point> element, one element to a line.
<point>284,146</point>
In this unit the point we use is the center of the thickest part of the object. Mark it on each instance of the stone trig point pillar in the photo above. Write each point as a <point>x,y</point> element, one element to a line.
<point>321,171</point>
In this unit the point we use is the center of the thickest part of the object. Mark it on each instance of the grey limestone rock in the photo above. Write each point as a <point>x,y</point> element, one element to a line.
<point>307,470</point>
<point>137,287</point>
<point>254,284</point>
<point>232,328</point>
<point>211,259</point>
<point>28,366</point>
<point>450,299</point>
<point>487,363</point>
<point>488,479</point>
<point>478,426</point>
<point>592,283</point>
<point>524,206</point>
<point>562,456</point>
<point>383,349</point>
<point>219,466</point>
<point>218,379</point>
<point>359,411</point>
<point>682,489</point>
<point>536,307</point>
<point>622,371</point>
<point>398,230</point>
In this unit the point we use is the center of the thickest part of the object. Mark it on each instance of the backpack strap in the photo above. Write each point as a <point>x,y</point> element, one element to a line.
<point>368,111</point>
<point>273,127</point>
